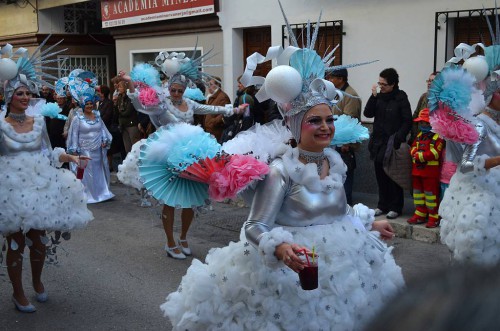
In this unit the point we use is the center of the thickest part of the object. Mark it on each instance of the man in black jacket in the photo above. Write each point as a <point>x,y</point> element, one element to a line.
<point>391,111</point>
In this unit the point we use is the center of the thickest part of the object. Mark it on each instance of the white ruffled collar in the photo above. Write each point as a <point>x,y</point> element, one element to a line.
<point>307,174</point>
<point>25,136</point>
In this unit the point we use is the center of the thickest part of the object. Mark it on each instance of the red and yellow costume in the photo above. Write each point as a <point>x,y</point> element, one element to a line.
<point>426,153</point>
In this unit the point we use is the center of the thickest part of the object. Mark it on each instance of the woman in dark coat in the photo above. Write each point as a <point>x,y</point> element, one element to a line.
<point>391,111</point>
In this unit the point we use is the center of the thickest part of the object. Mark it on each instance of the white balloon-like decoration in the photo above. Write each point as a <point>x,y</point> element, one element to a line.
<point>283,83</point>
<point>477,67</point>
<point>170,67</point>
<point>8,69</point>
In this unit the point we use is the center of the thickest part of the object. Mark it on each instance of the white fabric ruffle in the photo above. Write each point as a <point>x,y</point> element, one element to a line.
<point>233,290</point>
<point>128,171</point>
<point>35,195</point>
<point>268,243</point>
<point>470,212</point>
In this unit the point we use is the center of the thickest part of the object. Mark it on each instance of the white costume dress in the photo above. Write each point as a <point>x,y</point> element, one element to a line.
<point>163,114</point>
<point>86,137</point>
<point>244,287</point>
<point>33,193</point>
<point>470,209</point>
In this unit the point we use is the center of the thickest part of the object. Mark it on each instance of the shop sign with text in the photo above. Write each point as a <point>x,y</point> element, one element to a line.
<point>123,12</point>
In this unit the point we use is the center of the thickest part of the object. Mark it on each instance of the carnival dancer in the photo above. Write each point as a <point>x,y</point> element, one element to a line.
<point>470,211</point>
<point>150,98</point>
<point>426,152</point>
<point>36,197</point>
<point>89,136</point>
<point>299,212</point>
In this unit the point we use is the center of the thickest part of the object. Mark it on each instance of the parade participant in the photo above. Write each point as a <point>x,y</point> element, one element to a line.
<point>299,212</point>
<point>150,98</point>
<point>89,136</point>
<point>36,197</point>
<point>469,209</point>
<point>426,152</point>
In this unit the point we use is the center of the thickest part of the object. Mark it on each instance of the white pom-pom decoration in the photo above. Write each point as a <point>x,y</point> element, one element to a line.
<point>477,67</point>
<point>8,69</point>
<point>283,84</point>
<point>170,67</point>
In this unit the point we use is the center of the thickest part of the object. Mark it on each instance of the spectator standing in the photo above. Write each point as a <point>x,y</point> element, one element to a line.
<point>106,110</point>
<point>127,117</point>
<point>240,122</point>
<point>391,112</point>
<point>47,94</point>
<point>56,126</point>
<point>426,152</point>
<point>214,123</point>
<point>349,105</point>
<point>422,103</point>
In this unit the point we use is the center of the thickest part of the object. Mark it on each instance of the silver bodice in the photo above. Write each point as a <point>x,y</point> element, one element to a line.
<point>165,112</point>
<point>13,143</point>
<point>281,201</point>
<point>488,143</point>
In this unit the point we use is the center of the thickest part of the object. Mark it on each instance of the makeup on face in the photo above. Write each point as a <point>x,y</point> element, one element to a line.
<point>317,121</point>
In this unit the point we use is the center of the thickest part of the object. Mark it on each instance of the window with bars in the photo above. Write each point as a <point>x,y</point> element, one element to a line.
<point>462,26</point>
<point>98,64</point>
<point>79,16</point>
<point>330,35</point>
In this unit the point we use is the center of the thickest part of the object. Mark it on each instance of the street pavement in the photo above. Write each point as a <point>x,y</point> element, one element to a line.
<point>114,274</point>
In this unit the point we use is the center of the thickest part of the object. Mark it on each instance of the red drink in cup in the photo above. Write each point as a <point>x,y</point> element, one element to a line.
<point>309,277</point>
<point>79,172</point>
<point>80,169</point>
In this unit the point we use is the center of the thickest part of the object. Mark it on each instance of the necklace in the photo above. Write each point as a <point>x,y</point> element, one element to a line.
<point>495,114</point>
<point>176,102</point>
<point>19,118</point>
<point>313,157</point>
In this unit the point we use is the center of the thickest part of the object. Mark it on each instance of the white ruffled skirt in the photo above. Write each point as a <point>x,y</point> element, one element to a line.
<point>128,171</point>
<point>470,212</point>
<point>35,195</point>
<point>233,290</point>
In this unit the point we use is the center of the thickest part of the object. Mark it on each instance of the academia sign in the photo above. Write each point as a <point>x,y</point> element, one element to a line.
<point>123,12</point>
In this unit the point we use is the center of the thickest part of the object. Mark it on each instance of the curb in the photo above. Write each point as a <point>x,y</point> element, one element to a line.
<point>416,232</point>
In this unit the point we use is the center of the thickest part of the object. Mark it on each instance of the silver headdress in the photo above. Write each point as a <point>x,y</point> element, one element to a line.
<point>27,71</point>
<point>297,83</point>
<point>184,70</point>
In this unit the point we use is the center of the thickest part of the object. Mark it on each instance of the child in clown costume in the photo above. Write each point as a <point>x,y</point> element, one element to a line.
<point>426,152</point>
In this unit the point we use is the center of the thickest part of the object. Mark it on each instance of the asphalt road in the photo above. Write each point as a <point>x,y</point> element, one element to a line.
<point>114,274</point>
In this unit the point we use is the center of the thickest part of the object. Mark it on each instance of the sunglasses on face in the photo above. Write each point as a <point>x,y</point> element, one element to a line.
<point>382,84</point>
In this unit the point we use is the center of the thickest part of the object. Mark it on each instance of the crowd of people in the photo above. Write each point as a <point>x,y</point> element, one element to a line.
<point>298,184</point>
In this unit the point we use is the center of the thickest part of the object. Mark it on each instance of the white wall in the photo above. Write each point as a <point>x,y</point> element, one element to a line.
<point>399,33</point>
<point>184,41</point>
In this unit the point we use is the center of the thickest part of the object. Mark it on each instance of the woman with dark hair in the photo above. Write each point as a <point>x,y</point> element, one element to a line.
<point>36,197</point>
<point>105,108</point>
<point>240,122</point>
<point>391,111</point>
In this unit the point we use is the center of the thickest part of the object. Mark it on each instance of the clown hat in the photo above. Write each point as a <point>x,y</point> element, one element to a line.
<point>423,116</point>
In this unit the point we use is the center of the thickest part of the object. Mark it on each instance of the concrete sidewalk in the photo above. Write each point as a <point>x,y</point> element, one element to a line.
<point>400,226</point>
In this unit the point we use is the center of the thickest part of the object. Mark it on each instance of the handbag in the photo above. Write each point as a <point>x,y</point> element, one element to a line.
<point>397,164</point>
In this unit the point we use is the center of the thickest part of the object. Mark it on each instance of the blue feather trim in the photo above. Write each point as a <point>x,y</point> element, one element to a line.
<point>348,130</point>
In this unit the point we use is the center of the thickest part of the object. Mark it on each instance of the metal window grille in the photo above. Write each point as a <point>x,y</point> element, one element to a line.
<point>76,14</point>
<point>98,64</point>
<point>330,35</point>
<point>462,26</point>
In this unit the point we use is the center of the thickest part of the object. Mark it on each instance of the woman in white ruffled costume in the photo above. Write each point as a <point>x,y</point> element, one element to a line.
<point>163,109</point>
<point>470,209</point>
<point>35,196</point>
<point>89,136</point>
<point>253,284</point>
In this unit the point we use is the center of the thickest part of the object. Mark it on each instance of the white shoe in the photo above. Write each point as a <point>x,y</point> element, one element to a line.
<point>378,212</point>
<point>145,203</point>
<point>42,297</point>
<point>185,250</point>
<point>171,252</point>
